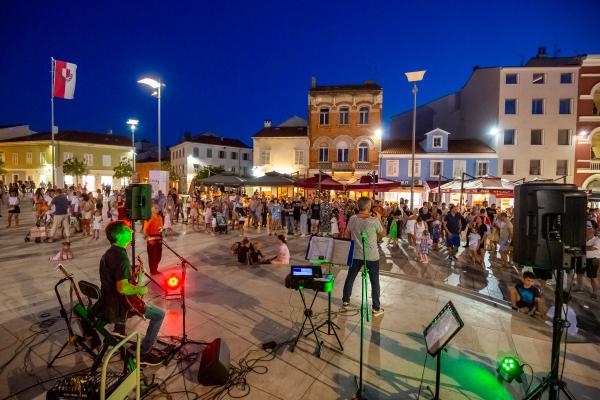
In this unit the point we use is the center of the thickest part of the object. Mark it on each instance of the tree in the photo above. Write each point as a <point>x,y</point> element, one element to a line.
<point>205,172</point>
<point>123,170</point>
<point>73,166</point>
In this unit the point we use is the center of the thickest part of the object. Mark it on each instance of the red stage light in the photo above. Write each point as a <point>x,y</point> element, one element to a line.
<point>173,282</point>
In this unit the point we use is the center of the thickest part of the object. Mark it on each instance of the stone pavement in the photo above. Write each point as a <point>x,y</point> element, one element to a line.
<point>247,306</point>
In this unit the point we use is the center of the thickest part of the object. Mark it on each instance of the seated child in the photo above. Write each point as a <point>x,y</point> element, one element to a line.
<point>526,297</point>
<point>64,253</point>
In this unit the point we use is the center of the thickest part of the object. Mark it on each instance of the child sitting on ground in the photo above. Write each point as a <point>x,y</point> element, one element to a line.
<point>64,253</point>
<point>525,297</point>
<point>243,252</point>
<point>256,256</point>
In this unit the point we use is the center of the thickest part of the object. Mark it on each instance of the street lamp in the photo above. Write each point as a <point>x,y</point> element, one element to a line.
<point>133,124</point>
<point>157,86</point>
<point>414,77</point>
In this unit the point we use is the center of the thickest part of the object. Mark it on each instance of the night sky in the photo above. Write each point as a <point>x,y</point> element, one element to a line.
<point>229,65</point>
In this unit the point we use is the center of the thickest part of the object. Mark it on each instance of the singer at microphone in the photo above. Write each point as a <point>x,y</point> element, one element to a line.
<point>364,225</point>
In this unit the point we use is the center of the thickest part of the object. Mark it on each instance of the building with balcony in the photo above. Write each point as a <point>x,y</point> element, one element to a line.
<point>587,152</point>
<point>208,149</point>
<point>283,148</point>
<point>30,157</point>
<point>344,129</point>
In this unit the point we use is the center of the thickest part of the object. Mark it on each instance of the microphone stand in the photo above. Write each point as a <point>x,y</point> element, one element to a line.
<point>364,313</point>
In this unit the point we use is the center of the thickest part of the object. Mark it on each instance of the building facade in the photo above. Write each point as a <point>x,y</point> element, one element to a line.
<point>587,153</point>
<point>30,157</point>
<point>206,150</point>
<point>344,129</point>
<point>283,148</point>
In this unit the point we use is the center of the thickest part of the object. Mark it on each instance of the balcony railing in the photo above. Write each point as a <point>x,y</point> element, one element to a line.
<point>343,166</point>
<point>595,165</point>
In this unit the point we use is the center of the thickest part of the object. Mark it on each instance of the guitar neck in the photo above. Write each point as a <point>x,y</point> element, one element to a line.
<point>73,285</point>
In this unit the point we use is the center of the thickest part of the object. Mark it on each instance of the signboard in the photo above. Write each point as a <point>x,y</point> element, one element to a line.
<point>159,181</point>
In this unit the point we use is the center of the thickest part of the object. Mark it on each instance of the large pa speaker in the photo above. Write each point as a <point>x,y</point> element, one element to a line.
<point>549,219</point>
<point>138,201</point>
<point>214,364</point>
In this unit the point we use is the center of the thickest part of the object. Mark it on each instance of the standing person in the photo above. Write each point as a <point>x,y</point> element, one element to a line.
<point>315,215</point>
<point>152,230</point>
<point>592,259</point>
<point>424,243</point>
<point>335,229</point>
<point>87,209</point>
<point>99,200</point>
<point>304,219</point>
<point>2,194</point>
<point>364,222</point>
<point>14,208</point>
<point>325,224</point>
<point>61,216</point>
<point>275,211</point>
<point>505,233</point>
<point>288,211</point>
<point>452,227</point>
<point>161,202</point>
<point>97,224</point>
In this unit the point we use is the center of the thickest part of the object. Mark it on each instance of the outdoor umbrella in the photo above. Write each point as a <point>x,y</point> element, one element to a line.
<point>271,179</point>
<point>365,184</point>
<point>327,182</point>
<point>222,179</point>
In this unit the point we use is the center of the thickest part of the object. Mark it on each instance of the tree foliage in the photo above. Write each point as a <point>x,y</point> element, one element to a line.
<point>166,166</point>
<point>205,172</point>
<point>123,170</point>
<point>73,166</point>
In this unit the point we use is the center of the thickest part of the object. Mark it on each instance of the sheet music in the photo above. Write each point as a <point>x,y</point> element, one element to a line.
<point>320,248</point>
<point>341,252</point>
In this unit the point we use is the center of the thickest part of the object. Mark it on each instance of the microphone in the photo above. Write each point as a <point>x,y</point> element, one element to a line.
<point>363,234</point>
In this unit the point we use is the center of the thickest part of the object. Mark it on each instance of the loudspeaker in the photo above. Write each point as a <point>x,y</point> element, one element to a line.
<point>214,364</point>
<point>549,219</point>
<point>138,201</point>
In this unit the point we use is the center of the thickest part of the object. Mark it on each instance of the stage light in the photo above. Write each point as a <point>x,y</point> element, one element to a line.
<point>510,369</point>
<point>173,282</point>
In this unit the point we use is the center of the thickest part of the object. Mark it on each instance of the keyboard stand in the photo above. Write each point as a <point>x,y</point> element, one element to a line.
<point>308,317</point>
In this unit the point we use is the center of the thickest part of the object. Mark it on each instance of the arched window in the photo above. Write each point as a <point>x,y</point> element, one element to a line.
<point>342,152</point>
<point>324,116</point>
<point>363,115</point>
<point>323,153</point>
<point>363,152</point>
<point>344,115</point>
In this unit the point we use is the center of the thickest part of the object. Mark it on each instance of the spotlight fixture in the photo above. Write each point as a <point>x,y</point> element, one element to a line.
<point>510,369</point>
<point>173,282</point>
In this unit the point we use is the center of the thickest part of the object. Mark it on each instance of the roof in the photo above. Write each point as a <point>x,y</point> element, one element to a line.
<point>454,146</point>
<point>368,85</point>
<point>271,179</point>
<point>294,121</point>
<point>283,131</point>
<point>11,126</point>
<point>554,61</point>
<point>211,138</point>
<point>223,179</point>
<point>75,136</point>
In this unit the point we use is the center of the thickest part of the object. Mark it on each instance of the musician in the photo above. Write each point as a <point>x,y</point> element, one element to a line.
<point>115,275</point>
<point>152,229</point>
<point>364,221</point>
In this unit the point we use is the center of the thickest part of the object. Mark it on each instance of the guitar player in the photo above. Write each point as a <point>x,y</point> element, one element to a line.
<point>115,276</point>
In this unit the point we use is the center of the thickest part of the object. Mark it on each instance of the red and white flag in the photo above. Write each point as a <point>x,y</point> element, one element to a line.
<point>64,79</point>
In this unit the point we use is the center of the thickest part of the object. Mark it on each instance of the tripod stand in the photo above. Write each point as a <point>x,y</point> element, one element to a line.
<point>364,313</point>
<point>330,324</point>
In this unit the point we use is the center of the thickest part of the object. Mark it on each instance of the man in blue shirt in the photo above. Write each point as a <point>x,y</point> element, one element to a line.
<point>452,227</point>
<point>60,216</point>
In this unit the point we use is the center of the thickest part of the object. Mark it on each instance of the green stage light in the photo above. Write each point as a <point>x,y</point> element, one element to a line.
<point>510,369</point>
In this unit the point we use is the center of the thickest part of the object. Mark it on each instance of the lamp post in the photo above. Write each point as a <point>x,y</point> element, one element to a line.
<point>157,85</point>
<point>133,124</point>
<point>414,77</point>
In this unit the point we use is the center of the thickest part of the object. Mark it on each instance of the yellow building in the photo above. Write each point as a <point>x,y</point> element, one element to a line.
<point>30,157</point>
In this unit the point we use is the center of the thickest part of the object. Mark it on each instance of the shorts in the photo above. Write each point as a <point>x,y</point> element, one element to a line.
<point>241,223</point>
<point>522,304</point>
<point>590,269</point>
<point>503,243</point>
<point>453,240</point>
<point>15,210</point>
<point>314,221</point>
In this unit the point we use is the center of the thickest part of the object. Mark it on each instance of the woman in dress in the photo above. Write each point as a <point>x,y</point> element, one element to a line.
<point>13,207</point>
<point>283,257</point>
<point>121,214</point>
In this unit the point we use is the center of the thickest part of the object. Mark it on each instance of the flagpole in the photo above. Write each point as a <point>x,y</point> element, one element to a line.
<point>52,124</point>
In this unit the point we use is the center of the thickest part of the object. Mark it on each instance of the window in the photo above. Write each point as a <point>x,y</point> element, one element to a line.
<point>482,168</point>
<point>510,106</point>
<point>417,168</point>
<point>511,79</point>
<point>508,167</point>
<point>566,77</point>
<point>342,152</point>
<point>363,115</point>
<point>233,169</point>
<point>42,158</point>
<point>196,152</point>
<point>562,167</point>
<point>323,153</point>
<point>106,160</point>
<point>222,154</point>
<point>564,106</point>
<point>234,155</point>
<point>436,168</point>
<point>208,153</point>
<point>564,137</point>
<point>344,115</point>
<point>245,156</point>
<point>391,167</point>
<point>265,157</point>
<point>324,116</point>
<point>29,157</point>
<point>437,142</point>
<point>536,137</point>
<point>299,157</point>
<point>363,152</point>
<point>15,158</point>
<point>535,167</point>
<point>538,79</point>
<point>458,167</point>
<point>88,159</point>
<point>537,106</point>
<point>67,155</point>
<point>509,136</point>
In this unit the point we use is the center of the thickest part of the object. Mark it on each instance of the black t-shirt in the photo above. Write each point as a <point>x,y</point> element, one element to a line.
<point>452,222</point>
<point>114,267</point>
<point>243,254</point>
<point>315,211</point>
<point>288,209</point>
<point>491,214</point>
<point>296,209</point>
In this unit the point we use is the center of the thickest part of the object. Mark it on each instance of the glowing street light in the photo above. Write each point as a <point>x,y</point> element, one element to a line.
<point>157,85</point>
<point>414,77</point>
<point>133,124</point>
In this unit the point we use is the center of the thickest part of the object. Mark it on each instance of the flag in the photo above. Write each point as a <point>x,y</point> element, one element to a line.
<point>64,79</point>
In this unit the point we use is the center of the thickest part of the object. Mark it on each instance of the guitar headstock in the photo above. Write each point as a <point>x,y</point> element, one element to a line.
<point>64,271</point>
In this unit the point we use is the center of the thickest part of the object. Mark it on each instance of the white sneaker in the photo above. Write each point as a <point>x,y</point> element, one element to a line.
<point>377,313</point>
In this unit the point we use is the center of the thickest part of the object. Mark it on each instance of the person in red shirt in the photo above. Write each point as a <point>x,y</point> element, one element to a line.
<point>152,230</point>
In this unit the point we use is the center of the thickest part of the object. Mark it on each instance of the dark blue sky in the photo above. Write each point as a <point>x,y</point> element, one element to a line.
<point>230,64</point>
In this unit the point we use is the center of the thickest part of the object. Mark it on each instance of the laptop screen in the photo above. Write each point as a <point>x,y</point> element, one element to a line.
<point>302,271</point>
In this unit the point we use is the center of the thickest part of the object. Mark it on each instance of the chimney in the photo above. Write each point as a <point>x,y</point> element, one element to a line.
<point>313,82</point>
<point>267,123</point>
<point>109,132</point>
<point>541,52</point>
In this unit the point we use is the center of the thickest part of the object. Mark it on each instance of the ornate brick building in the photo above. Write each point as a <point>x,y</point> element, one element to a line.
<point>344,129</point>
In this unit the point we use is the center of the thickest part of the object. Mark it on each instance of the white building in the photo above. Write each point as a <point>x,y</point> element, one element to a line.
<point>283,148</point>
<point>208,149</point>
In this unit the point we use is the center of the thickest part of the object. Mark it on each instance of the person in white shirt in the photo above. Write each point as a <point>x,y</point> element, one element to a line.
<point>592,255</point>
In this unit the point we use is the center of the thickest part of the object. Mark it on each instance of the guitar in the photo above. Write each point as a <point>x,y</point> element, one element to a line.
<point>89,333</point>
<point>135,302</point>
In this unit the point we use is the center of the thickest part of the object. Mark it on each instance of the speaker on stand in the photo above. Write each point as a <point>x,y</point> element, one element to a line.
<point>138,206</point>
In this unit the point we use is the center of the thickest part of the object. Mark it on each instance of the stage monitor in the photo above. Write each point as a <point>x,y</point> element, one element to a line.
<point>442,329</point>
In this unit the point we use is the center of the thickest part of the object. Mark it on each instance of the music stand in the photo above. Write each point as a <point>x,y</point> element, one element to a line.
<point>438,334</point>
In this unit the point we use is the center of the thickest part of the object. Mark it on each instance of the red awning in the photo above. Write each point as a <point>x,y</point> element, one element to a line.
<point>365,184</point>
<point>326,182</point>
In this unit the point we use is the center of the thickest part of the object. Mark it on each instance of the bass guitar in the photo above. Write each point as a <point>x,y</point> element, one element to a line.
<point>136,304</point>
